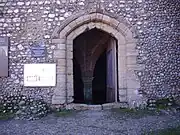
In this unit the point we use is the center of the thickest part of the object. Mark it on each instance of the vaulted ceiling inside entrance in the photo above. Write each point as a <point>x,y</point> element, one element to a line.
<point>88,47</point>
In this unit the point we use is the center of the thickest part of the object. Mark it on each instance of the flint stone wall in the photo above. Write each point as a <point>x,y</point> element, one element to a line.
<point>156,30</point>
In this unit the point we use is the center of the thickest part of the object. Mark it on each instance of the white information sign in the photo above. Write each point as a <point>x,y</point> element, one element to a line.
<point>39,74</point>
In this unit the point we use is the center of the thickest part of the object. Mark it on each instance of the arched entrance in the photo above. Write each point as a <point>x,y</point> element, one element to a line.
<point>118,28</point>
<point>95,82</point>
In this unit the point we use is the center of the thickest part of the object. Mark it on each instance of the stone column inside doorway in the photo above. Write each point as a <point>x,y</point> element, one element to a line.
<point>87,89</point>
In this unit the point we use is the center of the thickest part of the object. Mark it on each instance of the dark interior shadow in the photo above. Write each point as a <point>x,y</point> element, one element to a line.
<point>99,81</point>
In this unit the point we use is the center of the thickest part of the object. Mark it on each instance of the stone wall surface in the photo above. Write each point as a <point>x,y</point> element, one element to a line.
<point>156,28</point>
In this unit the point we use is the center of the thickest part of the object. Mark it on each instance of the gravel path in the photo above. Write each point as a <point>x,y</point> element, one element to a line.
<point>105,122</point>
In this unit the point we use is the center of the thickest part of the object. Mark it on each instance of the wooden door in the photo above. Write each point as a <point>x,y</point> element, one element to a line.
<point>111,94</point>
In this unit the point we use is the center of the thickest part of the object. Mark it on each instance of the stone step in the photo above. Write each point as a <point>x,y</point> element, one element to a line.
<point>76,106</point>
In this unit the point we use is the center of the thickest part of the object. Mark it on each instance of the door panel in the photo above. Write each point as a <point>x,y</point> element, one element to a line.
<point>111,72</point>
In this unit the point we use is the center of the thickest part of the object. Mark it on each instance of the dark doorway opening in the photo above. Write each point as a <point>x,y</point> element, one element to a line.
<point>78,83</point>
<point>99,81</point>
<point>94,67</point>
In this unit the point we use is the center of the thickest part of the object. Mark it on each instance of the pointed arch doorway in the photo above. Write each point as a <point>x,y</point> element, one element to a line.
<point>117,27</point>
<point>95,67</point>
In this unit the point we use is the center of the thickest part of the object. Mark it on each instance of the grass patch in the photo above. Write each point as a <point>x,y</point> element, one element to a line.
<point>6,116</point>
<point>168,131</point>
<point>162,104</point>
<point>125,110</point>
<point>65,113</point>
<point>135,113</point>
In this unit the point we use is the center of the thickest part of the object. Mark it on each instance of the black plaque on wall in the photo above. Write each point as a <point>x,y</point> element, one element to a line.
<point>38,50</point>
<point>4,43</point>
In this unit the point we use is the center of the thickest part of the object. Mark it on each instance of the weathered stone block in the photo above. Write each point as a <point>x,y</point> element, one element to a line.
<point>70,87</point>
<point>107,106</point>
<point>70,78</point>
<point>81,29</point>
<point>60,54</point>
<point>131,47</point>
<point>123,104</point>
<point>73,24</point>
<point>120,38</point>
<point>135,67</point>
<point>99,16</point>
<point>79,20</point>
<point>91,25</point>
<point>71,36</point>
<point>93,16</point>
<point>69,69</point>
<point>70,48</point>
<point>80,106</point>
<point>70,99</point>
<point>61,70</point>
<point>114,22</point>
<point>56,100</point>
<point>86,18</point>
<point>61,78</point>
<point>122,92</point>
<point>122,98</point>
<point>131,60</point>
<point>130,75</point>
<point>128,34</point>
<point>94,107</point>
<point>61,62</point>
<point>70,55</point>
<point>69,42</point>
<point>122,82</point>
<point>132,53</point>
<point>107,19</point>
<point>122,51</point>
<point>61,46</point>
<point>134,84</point>
<point>121,27</point>
<point>59,41</point>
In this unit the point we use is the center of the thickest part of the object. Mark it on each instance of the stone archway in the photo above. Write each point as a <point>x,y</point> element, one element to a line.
<point>63,38</point>
<point>97,82</point>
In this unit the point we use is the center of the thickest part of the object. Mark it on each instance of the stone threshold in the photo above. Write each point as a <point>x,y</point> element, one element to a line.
<point>76,106</point>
